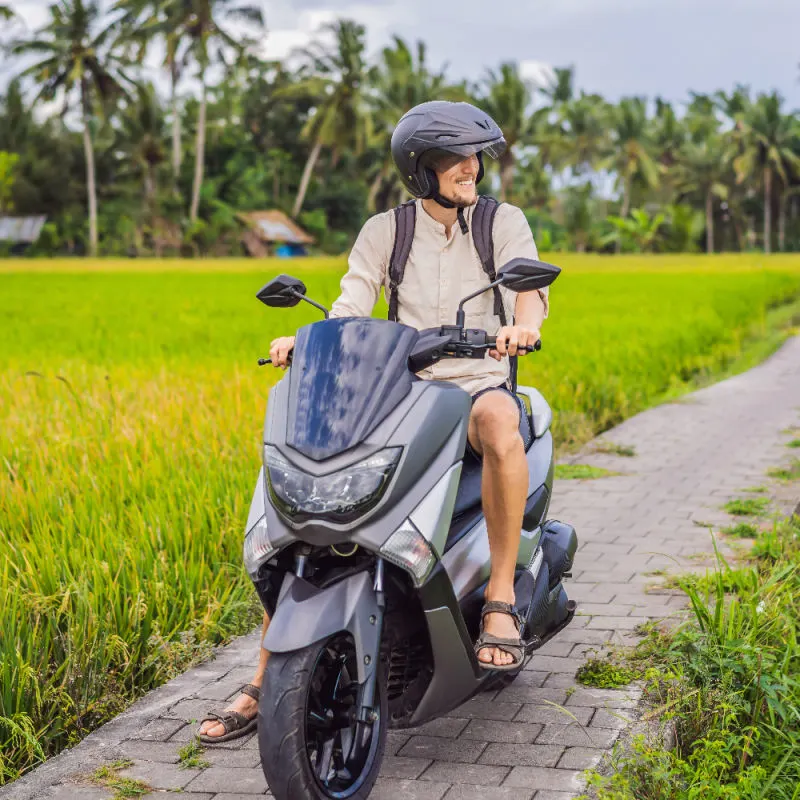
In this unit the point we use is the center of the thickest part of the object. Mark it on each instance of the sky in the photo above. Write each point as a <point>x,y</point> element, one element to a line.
<point>617,47</point>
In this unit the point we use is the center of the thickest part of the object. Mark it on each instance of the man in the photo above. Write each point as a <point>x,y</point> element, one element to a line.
<point>438,148</point>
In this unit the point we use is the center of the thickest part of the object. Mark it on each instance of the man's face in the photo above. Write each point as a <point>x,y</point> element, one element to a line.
<point>457,177</point>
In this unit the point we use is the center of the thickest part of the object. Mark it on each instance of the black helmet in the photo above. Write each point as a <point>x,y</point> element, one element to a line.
<point>439,128</point>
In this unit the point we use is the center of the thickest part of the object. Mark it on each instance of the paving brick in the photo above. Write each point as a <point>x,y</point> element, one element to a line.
<point>188,796</point>
<point>530,755</point>
<point>165,752</point>
<point>159,730</point>
<point>229,779</point>
<point>392,789</point>
<point>616,718</point>
<point>560,780</point>
<point>486,708</point>
<point>465,792</point>
<point>478,775</point>
<point>580,758</point>
<point>484,730</point>
<point>69,791</point>
<point>443,749</point>
<point>160,776</point>
<point>548,795</point>
<point>447,727</point>
<point>554,715</point>
<point>530,694</point>
<point>577,736</point>
<point>604,698</point>
<point>400,767</point>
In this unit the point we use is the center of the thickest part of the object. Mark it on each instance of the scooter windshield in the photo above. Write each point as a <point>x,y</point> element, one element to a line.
<point>347,375</point>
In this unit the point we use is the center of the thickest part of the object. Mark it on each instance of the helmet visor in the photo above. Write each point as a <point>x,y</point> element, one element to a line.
<point>442,159</point>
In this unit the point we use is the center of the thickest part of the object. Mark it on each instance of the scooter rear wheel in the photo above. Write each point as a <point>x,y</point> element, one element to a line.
<point>310,742</point>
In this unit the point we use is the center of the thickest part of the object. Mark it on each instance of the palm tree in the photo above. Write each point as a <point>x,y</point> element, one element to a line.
<point>141,137</point>
<point>507,99</point>
<point>142,23</point>
<point>6,12</point>
<point>78,63</point>
<point>399,81</point>
<point>703,168</point>
<point>335,78</point>
<point>582,139</point>
<point>767,141</point>
<point>631,156</point>
<point>561,88</point>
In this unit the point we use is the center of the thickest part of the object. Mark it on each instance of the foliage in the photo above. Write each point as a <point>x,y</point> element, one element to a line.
<point>191,756</point>
<point>568,472</point>
<point>742,530</point>
<point>727,685</point>
<point>747,506</point>
<point>128,450</point>
<point>313,133</point>
<point>791,472</point>
<point>602,673</point>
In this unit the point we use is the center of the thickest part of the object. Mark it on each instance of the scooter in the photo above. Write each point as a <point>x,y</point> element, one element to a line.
<point>367,545</point>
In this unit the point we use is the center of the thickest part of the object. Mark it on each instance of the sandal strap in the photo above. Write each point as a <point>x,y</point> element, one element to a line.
<point>498,607</point>
<point>513,647</point>
<point>251,691</point>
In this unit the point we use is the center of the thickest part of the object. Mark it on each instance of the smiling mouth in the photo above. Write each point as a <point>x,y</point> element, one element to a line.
<point>466,182</point>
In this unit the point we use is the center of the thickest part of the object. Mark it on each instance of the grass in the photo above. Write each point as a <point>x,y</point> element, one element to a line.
<point>747,506</point>
<point>107,777</point>
<point>787,473</point>
<point>742,530</point>
<point>610,448</point>
<point>131,408</point>
<point>726,683</point>
<point>794,443</point>
<point>570,472</point>
<point>605,674</point>
<point>191,756</point>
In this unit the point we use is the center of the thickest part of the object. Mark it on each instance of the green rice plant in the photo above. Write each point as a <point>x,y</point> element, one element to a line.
<point>130,413</point>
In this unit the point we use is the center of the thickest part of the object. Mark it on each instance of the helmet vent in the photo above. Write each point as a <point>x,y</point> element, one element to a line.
<point>486,125</point>
<point>447,136</point>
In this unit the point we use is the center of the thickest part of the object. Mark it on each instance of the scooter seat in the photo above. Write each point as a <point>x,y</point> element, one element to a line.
<point>468,499</point>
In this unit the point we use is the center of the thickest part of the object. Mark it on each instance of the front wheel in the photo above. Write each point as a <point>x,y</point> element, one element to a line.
<point>312,744</point>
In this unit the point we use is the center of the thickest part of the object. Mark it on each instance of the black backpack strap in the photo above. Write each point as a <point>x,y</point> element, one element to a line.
<point>482,225</point>
<point>405,218</point>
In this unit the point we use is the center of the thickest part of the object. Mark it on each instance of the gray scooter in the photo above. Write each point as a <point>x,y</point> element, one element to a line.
<point>367,544</point>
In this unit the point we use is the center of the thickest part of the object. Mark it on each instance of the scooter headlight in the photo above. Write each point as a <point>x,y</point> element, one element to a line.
<point>257,547</point>
<point>341,496</point>
<point>409,549</point>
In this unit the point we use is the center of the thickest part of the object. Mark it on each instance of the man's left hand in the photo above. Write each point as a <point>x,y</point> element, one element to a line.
<point>512,337</point>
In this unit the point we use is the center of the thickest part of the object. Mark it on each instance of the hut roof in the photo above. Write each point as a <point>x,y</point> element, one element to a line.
<point>275,226</point>
<point>21,229</point>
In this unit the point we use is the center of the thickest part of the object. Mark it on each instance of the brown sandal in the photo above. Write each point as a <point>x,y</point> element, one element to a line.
<point>514,647</point>
<point>236,725</point>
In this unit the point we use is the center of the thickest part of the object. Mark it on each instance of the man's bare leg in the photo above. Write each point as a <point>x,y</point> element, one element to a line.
<point>494,432</point>
<point>244,704</point>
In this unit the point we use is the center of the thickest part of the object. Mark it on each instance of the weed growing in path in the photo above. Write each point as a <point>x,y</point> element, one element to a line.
<point>742,530</point>
<point>604,674</point>
<point>747,507</point>
<point>788,473</point>
<point>191,756</point>
<point>123,787</point>
<point>568,472</point>
<point>614,449</point>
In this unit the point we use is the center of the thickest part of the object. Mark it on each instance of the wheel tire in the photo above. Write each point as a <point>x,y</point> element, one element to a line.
<point>282,743</point>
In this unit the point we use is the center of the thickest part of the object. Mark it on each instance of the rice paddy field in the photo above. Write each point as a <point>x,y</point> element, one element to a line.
<point>131,410</point>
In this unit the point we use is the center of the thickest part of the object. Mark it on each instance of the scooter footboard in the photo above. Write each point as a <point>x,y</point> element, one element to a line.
<point>305,614</point>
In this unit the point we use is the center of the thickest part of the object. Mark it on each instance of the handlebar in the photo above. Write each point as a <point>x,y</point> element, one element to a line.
<point>491,342</point>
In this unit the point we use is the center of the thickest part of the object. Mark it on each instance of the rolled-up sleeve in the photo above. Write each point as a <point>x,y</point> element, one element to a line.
<point>513,239</point>
<point>367,265</point>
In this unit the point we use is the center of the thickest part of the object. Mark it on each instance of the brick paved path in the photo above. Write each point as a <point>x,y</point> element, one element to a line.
<point>691,456</point>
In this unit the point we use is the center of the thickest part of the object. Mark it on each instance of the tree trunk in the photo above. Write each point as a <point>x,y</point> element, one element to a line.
<point>199,152</point>
<point>768,210</point>
<point>176,126</point>
<point>506,174</point>
<point>782,223</point>
<point>626,207</point>
<point>709,222</point>
<point>88,151</point>
<point>374,188</point>
<point>306,178</point>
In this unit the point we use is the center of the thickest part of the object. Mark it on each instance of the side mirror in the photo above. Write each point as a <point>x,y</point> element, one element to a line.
<point>282,292</point>
<point>525,274</point>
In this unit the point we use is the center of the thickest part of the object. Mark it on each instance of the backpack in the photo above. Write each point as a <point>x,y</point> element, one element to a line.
<point>405,217</point>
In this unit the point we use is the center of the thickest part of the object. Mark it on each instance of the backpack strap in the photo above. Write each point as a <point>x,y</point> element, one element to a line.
<point>482,226</point>
<point>483,239</point>
<point>405,218</point>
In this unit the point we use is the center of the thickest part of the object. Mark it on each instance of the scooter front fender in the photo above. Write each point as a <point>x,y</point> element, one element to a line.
<point>305,615</point>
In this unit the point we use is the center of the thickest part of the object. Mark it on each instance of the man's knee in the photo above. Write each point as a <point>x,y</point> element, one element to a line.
<point>496,423</point>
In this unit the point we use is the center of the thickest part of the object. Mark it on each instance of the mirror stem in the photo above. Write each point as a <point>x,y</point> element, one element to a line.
<point>324,310</point>
<point>460,315</point>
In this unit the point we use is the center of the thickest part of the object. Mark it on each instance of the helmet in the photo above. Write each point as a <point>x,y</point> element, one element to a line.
<point>438,129</point>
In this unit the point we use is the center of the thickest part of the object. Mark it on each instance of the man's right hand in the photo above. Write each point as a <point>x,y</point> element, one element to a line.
<point>279,351</point>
